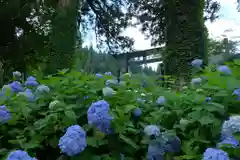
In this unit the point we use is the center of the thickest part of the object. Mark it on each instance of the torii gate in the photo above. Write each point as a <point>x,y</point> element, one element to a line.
<point>128,57</point>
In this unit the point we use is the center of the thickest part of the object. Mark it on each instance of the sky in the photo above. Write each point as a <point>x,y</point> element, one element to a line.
<point>228,25</point>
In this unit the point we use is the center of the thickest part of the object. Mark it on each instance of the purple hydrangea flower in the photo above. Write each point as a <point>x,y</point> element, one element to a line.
<point>29,95</point>
<point>31,81</point>
<point>197,63</point>
<point>229,140</point>
<point>5,115</point>
<point>19,155</point>
<point>98,116</point>
<point>215,154</point>
<point>16,86</point>
<point>224,69</point>
<point>73,141</point>
<point>155,152</point>
<point>31,78</point>
<point>137,112</point>
<point>99,75</point>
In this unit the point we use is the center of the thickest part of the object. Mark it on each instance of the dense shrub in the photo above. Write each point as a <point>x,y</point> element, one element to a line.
<point>79,116</point>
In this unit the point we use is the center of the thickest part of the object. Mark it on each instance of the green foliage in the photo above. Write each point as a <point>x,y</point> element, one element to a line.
<point>154,17</point>
<point>26,49</point>
<point>108,19</point>
<point>37,126</point>
<point>62,39</point>
<point>185,37</point>
<point>179,24</point>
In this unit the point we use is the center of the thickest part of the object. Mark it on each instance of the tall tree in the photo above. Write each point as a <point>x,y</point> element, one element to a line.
<point>178,24</point>
<point>22,42</point>
<point>108,18</point>
<point>63,36</point>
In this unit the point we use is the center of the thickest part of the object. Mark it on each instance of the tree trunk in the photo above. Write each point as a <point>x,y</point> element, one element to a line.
<point>63,37</point>
<point>185,36</point>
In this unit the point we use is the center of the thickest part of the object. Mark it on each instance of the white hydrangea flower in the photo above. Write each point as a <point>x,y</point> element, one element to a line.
<point>231,126</point>
<point>161,100</point>
<point>53,104</point>
<point>17,74</point>
<point>6,87</point>
<point>196,81</point>
<point>107,91</point>
<point>152,130</point>
<point>43,88</point>
<point>111,81</point>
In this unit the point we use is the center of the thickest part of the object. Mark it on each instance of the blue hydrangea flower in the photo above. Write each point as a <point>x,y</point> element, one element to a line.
<point>140,100</point>
<point>231,126</point>
<point>161,100</point>
<point>152,130</point>
<point>98,115</point>
<point>31,78</point>
<point>19,155</point>
<point>31,81</point>
<point>42,88</point>
<point>28,94</point>
<point>108,73</point>
<point>215,154</point>
<point>6,91</point>
<point>155,151</point>
<point>137,112</point>
<point>224,69</point>
<point>99,75</point>
<point>16,86</point>
<point>236,93</point>
<point>229,140</point>
<point>5,115</point>
<point>111,81</point>
<point>197,63</point>
<point>208,99</point>
<point>196,81</point>
<point>73,141</point>
<point>172,144</point>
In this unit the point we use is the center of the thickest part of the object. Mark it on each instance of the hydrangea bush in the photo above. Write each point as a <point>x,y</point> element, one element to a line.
<point>78,116</point>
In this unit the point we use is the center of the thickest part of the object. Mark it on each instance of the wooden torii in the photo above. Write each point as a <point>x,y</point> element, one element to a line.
<point>129,57</point>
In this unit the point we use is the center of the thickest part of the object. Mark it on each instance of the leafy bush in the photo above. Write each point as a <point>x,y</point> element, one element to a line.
<point>78,116</point>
